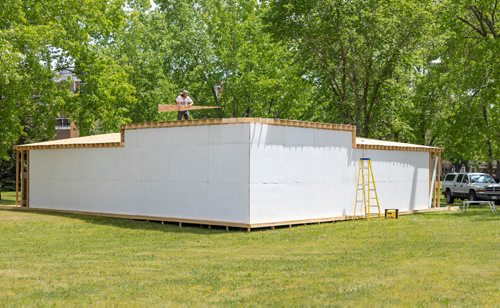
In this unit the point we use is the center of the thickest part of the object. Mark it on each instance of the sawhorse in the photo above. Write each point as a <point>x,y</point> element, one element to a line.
<point>493,208</point>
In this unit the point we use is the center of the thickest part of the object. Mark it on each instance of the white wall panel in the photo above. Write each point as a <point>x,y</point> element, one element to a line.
<point>122,164</point>
<point>91,165</point>
<point>122,197</point>
<point>41,165</point>
<point>64,193</point>
<point>164,172</point>
<point>131,138</point>
<point>304,177</point>
<point>155,164</point>
<point>267,135</point>
<point>154,198</point>
<point>189,163</point>
<point>229,134</point>
<point>66,164</point>
<point>152,137</point>
<point>229,163</point>
<point>402,177</point>
<point>298,137</point>
<point>91,196</point>
<point>246,173</point>
<point>187,135</point>
<point>227,202</point>
<point>266,164</point>
<point>41,192</point>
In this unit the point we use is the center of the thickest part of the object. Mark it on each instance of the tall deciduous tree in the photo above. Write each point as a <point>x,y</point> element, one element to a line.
<point>223,42</point>
<point>359,53</point>
<point>38,38</point>
<point>465,81</point>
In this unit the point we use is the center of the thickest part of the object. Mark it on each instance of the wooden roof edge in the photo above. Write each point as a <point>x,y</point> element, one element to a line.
<point>399,148</point>
<point>68,146</point>
<point>220,121</point>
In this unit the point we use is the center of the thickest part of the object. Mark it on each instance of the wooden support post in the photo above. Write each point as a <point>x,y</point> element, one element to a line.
<point>439,179</point>
<point>17,178</point>
<point>431,155</point>
<point>436,193</point>
<point>436,182</point>
<point>27,178</point>
<point>435,190</point>
<point>432,179</point>
<point>227,228</point>
<point>434,204</point>
<point>180,225</point>
<point>22,180</point>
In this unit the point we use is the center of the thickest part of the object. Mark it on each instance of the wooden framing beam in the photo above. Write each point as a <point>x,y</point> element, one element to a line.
<point>175,108</point>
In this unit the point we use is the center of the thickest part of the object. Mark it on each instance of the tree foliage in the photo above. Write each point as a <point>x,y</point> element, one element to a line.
<point>360,53</point>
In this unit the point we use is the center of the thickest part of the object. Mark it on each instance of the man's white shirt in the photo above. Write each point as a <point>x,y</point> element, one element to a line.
<point>184,101</point>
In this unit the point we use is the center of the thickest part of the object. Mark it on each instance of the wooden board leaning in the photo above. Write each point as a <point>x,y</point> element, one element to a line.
<point>172,108</point>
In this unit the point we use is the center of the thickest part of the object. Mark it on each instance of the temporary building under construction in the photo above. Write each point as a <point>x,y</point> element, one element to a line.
<point>240,172</point>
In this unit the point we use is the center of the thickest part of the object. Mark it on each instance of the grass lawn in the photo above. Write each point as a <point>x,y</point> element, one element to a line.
<point>446,258</point>
<point>8,198</point>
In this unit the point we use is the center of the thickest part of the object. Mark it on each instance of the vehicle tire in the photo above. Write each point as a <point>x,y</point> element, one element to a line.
<point>472,195</point>
<point>449,198</point>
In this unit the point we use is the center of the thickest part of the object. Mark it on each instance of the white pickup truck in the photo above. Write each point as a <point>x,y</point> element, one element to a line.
<point>472,186</point>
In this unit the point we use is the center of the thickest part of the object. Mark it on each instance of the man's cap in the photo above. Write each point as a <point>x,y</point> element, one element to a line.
<point>184,92</point>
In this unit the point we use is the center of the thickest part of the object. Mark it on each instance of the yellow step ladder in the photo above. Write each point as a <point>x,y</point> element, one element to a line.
<point>366,184</point>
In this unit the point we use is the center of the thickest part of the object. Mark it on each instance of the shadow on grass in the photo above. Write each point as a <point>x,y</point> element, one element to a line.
<point>7,202</point>
<point>150,225</point>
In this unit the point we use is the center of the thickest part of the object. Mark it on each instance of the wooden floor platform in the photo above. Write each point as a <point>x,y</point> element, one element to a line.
<point>181,222</point>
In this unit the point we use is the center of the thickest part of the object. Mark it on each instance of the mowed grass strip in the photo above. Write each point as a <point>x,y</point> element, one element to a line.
<point>8,198</point>
<point>447,258</point>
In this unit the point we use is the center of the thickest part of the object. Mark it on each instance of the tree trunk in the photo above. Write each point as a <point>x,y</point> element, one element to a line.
<point>488,139</point>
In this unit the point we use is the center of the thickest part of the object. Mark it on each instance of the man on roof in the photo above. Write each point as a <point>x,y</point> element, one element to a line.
<point>183,100</point>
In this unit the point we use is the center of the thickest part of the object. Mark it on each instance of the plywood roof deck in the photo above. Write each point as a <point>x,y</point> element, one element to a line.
<point>118,139</point>
<point>366,143</point>
<point>95,141</point>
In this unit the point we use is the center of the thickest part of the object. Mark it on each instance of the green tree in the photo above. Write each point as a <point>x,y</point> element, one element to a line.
<point>359,53</point>
<point>215,42</point>
<point>39,38</point>
<point>463,84</point>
